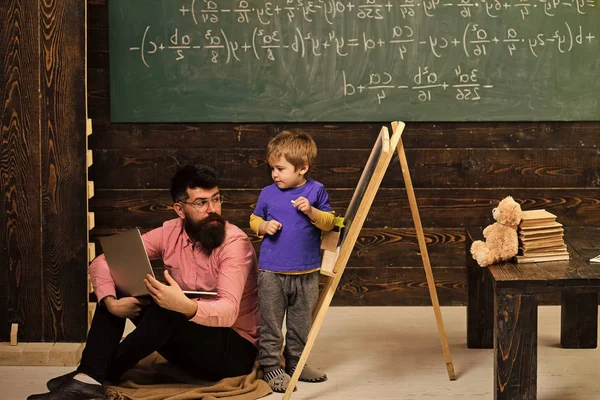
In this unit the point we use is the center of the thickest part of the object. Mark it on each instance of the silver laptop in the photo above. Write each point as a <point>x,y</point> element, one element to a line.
<point>128,263</point>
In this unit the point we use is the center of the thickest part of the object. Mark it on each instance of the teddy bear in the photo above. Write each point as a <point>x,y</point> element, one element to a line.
<point>502,241</point>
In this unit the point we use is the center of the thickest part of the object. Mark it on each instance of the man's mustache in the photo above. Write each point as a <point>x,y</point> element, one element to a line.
<point>212,217</point>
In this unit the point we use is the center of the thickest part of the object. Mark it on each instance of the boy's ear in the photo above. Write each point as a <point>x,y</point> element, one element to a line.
<point>304,169</point>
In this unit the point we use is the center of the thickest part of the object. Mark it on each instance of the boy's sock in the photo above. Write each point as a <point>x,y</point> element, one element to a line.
<point>277,379</point>
<point>308,374</point>
<point>86,379</point>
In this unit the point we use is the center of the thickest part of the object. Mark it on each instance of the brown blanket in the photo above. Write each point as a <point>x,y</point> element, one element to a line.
<point>154,379</point>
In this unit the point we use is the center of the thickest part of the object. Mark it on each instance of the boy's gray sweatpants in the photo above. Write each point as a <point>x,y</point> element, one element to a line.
<point>278,293</point>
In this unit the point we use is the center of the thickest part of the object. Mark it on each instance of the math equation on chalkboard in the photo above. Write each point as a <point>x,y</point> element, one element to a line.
<point>354,60</point>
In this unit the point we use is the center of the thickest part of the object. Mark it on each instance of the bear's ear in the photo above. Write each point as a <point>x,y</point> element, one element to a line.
<point>514,214</point>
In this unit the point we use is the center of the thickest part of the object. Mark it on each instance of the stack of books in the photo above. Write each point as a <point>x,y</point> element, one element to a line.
<point>541,238</point>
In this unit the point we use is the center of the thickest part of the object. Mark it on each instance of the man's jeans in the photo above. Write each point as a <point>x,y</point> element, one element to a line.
<point>210,353</point>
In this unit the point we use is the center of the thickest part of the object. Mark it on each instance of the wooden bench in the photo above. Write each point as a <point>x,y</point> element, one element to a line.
<point>502,308</point>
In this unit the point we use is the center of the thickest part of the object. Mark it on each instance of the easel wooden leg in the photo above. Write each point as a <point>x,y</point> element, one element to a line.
<point>330,283</point>
<point>424,255</point>
<point>318,317</point>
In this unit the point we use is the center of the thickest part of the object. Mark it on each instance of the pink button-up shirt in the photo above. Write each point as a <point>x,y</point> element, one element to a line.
<point>230,270</point>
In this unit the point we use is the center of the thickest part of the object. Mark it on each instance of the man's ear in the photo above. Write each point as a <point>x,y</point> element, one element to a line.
<point>179,210</point>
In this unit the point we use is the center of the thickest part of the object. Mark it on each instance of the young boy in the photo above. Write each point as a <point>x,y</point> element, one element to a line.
<point>290,215</point>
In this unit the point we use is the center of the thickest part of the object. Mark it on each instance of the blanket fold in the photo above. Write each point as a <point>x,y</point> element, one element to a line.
<point>155,379</point>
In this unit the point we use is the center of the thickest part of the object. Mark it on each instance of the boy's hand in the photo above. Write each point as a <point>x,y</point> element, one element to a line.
<point>270,227</point>
<point>302,204</point>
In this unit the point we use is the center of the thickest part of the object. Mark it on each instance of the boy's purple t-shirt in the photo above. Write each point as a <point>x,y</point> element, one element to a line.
<point>296,246</point>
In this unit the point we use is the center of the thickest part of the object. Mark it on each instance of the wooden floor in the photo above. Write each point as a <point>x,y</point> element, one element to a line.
<point>394,353</point>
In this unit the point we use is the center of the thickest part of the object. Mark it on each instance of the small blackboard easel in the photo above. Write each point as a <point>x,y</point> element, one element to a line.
<point>334,262</point>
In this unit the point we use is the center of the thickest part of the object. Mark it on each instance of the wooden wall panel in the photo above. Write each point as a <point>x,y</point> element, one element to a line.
<point>383,247</point>
<point>430,168</point>
<point>460,171</point>
<point>353,136</point>
<point>20,210</point>
<point>64,196</point>
<point>43,241</point>
<point>439,208</point>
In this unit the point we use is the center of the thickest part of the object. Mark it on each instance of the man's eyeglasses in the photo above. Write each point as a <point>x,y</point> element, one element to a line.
<point>202,204</point>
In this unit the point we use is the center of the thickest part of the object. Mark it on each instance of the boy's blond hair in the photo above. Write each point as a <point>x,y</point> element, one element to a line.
<point>298,148</point>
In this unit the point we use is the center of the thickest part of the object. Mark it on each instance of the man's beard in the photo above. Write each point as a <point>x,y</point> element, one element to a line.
<point>209,232</point>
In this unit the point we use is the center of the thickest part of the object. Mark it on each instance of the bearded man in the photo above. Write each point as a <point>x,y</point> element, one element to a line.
<point>212,338</point>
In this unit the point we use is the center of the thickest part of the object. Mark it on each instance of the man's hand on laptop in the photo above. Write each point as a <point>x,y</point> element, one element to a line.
<point>125,307</point>
<point>170,296</point>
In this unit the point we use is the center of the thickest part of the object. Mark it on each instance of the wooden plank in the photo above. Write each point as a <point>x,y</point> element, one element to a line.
<point>97,23</point>
<point>579,321</point>
<point>14,333</point>
<point>431,168</point>
<point>21,294</point>
<point>400,247</point>
<point>584,238</point>
<point>328,262</point>
<point>64,190</point>
<point>585,241</point>
<point>509,275</point>
<point>549,292</point>
<point>400,286</point>
<point>330,239</point>
<point>355,136</point>
<point>480,299</point>
<point>91,222</point>
<point>10,355</point>
<point>515,350</point>
<point>376,248</point>
<point>90,189</point>
<point>575,272</point>
<point>64,354</point>
<point>351,135</point>
<point>441,208</point>
<point>91,251</point>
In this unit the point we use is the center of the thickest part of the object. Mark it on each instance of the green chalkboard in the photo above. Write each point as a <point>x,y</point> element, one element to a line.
<point>354,60</point>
